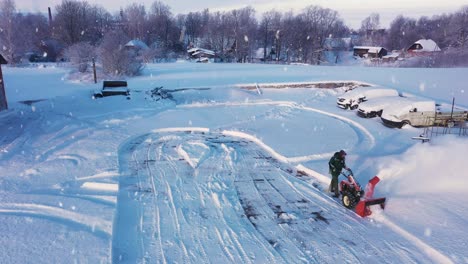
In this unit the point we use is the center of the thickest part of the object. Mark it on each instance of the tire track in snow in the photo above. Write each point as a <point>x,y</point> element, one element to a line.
<point>203,182</point>
<point>94,225</point>
<point>361,131</point>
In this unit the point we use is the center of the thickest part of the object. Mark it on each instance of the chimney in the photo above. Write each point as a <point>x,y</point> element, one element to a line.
<point>50,17</point>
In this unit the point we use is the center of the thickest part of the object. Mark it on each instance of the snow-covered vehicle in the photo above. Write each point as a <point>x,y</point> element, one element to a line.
<point>352,99</point>
<point>376,106</point>
<point>110,88</point>
<point>410,111</point>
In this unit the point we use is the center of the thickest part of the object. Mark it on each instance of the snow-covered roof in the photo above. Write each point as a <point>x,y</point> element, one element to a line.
<point>428,45</point>
<point>368,92</point>
<point>405,104</point>
<point>136,43</point>
<point>380,103</point>
<point>196,51</point>
<point>370,49</point>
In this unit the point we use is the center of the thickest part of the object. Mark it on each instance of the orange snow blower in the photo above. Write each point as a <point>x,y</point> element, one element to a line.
<point>353,197</point>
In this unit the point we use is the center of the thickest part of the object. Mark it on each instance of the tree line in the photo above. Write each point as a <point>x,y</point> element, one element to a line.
<point>80,31</point>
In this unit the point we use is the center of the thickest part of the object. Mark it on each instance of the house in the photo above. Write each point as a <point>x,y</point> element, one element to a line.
<point>136,44</point>
<point>369,52</point>
<point>201,54</point>
<point>423,47</point>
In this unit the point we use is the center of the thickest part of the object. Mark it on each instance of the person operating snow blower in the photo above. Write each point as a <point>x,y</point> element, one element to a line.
<point>336,165</point>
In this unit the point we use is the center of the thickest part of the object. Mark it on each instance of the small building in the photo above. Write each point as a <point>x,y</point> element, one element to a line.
<point>423,47</point>
<point>201,54</point>
<point>369,52</point>
<point>136,44</point>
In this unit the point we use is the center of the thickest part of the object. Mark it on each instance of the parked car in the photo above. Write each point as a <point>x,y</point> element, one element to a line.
<point>410,111</point>
<point>376,106</point>
<point>352,99</point>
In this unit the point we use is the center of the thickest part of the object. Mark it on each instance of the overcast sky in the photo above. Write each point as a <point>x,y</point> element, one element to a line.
<point>352,11</point>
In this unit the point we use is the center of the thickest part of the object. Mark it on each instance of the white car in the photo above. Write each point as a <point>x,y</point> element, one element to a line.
<point>352,99</point>
<point>376,106</point>
<point>412,111</point>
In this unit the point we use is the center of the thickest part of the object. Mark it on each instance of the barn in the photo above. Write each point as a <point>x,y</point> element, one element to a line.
<point>369,52</point>
<point>201,54</point>
<point>423,47</point>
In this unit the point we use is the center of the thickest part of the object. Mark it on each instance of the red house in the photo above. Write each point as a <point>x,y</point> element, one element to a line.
<point>423,47</point>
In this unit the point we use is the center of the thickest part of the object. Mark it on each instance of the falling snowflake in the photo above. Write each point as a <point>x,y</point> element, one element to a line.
<point>246,38</point>
<point>428,232</point>
<point>422,87</point>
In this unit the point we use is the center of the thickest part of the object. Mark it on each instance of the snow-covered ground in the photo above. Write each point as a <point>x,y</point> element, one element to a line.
<point>222,174</point>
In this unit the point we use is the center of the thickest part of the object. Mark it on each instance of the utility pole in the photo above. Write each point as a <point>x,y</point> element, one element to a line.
<point>94,70</point>
<point>3,99</point>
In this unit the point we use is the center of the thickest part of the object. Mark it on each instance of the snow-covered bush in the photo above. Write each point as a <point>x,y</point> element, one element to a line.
<point>81,55</point>
<point>116,59</point>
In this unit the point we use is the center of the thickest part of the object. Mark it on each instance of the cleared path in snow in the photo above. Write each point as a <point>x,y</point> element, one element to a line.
<point>199,196</point>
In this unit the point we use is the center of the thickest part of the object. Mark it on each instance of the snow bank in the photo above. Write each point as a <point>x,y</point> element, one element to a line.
<point>438,167</point>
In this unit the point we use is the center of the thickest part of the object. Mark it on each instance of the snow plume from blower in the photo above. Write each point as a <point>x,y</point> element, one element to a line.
<point>436,167</point>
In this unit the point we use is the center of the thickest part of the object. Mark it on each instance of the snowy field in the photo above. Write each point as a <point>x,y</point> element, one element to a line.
<point>221,174</point>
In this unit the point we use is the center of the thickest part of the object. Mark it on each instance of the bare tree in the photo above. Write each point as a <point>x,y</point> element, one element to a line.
<point>135,21</point>
<point>401,33</point>
<point>369,29</point>
<point>70,23</point>
<point>220,36</point>
<point>115,58</point>
<point>99,23</point>
<point>8,27</point>
<point>244,26</point>
<point>80,55</point>
<point>459,28</point>
<point>160,24</point>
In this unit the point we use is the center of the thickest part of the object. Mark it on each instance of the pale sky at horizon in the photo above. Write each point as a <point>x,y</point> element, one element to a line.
<point>352,11</point>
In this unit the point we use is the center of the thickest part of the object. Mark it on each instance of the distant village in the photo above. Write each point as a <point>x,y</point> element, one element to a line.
<point>80,33</point>
<point>334,50</point>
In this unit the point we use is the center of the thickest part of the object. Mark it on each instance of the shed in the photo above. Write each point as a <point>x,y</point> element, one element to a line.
<point>424,46</point>
<point>369,52</point>
<point>197,53</point>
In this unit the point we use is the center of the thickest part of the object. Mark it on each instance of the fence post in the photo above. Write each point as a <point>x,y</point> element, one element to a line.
<point>94,70</point>
<point>3,99</point>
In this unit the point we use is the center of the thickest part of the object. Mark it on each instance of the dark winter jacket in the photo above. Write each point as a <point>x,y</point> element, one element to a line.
<point>336,164</point>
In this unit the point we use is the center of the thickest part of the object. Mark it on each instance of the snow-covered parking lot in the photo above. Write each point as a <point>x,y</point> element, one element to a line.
<point>223,174</point>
